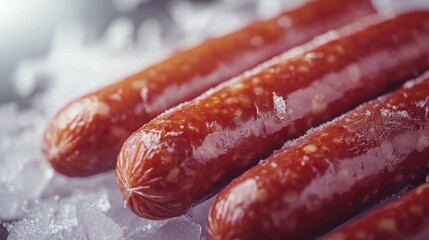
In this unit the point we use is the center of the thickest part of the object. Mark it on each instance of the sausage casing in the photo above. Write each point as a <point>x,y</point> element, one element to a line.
<point>184,155</point>
<point>334,172</point>
<point>85,136</point>
<point>403,218</point>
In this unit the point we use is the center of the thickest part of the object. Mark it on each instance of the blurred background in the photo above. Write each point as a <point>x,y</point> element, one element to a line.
<point>27,28</point>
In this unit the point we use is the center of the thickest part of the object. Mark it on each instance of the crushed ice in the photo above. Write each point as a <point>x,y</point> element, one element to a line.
<point>279,106</point>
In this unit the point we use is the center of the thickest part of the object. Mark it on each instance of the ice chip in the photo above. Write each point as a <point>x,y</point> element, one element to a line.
<point>134,227</point>
<point>95,223</point>
<point>37,175</point>
<point>179,228</point>
<point>28,183</point>
<point>56,217</point>
<point>27,229</point>
<point>11,206</point>
<point>199,213</point>
<point>64,186</point>
<point>279,106</point>
<point>143,228</point>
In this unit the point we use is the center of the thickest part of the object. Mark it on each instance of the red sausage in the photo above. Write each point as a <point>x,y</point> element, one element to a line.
<point>330,174</point>
<point>85,136</point>
<point>405,218</point>
<point>183,156</point>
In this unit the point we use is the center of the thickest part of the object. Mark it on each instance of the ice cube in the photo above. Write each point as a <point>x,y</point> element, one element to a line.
<point>28,183</point>
<point>143,228</point>
<point>134,226</point>
<point>10,206</point>
<point>179,228</point>
<point>55,217</point>
<point>65,186</point>
<point>95,223</point>
<point>199,213</point>
<point>36,176</point>
<point>50,219</point>
<point>27,229</point>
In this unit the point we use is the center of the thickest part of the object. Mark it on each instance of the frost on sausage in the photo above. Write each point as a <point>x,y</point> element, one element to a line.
<point>84,137</point>
<point>404,218</point>
<point>183,156</point>
<point>330,174</point>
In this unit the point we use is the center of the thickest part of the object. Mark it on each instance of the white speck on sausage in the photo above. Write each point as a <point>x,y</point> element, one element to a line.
<point>256,41</point>
<point>259,91</point>
<point>310,148</point>
<point>416,210</point>
<point>422,143</point>
<point>284,22</point>
<point>354,73</point>
<point>319,103</point>
<point>331,59</point>
<point>137,84</point>
<point>102,108</point>
<point>388,224</point>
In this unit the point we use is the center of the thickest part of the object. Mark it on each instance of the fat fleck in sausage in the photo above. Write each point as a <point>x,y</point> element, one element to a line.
<point>183,156</point>
<point>332,173</point>
<point>404,218</point>
<point>85,136</point>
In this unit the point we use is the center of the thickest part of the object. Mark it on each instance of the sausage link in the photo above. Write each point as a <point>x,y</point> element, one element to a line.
<point>184,155</point>
<point>330,174</point>
<point>404,218</point>
<point>85,136</point>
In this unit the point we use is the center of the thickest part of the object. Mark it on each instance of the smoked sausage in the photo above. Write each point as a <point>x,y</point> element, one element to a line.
<point>187,153</point>
<point>330,174</point>
<point>404,218</point>
<point>85,136</point>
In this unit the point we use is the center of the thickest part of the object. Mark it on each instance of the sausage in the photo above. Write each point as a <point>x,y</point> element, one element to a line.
<point>404,218</point>
<point>330,174</point>
<point>85,136</point>
<point>186,154</point>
